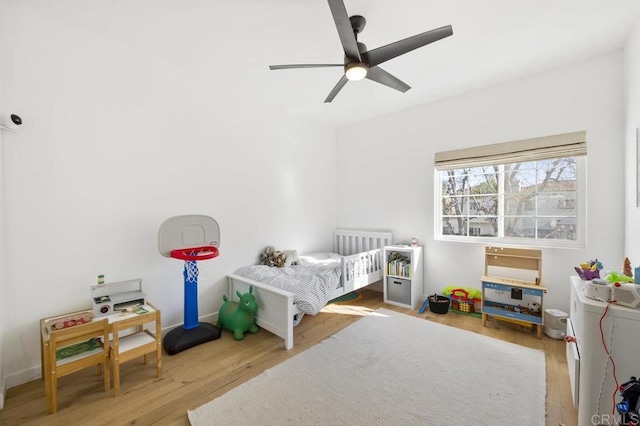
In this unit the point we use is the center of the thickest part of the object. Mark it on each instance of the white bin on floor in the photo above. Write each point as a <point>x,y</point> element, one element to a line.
<point>555,323</point>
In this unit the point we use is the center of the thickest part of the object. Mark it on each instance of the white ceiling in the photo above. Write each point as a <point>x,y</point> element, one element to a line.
<point>492,41</point>
<point>227,46</point>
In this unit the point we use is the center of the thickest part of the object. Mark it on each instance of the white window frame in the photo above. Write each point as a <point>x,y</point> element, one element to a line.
<point>581,215</point>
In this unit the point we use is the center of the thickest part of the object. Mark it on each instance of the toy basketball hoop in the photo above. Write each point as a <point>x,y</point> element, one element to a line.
<point>193,255</point>
<point>196,253</point>
<point>191,238</point>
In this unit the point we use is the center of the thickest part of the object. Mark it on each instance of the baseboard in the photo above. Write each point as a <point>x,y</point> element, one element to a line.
<point>22,377</point>
<point>210,318</point>
<point>3,390</point>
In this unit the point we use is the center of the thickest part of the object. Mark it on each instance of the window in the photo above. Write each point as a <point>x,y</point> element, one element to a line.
<point>538,201</point>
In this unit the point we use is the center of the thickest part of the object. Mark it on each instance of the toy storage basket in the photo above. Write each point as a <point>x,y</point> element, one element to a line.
<point>460,301</point>
<point>439,304</point>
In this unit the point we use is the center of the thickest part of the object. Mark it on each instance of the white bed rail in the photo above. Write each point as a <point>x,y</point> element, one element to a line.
<point>361,269</point>
<point>275,306</point>
<point>347,242</point>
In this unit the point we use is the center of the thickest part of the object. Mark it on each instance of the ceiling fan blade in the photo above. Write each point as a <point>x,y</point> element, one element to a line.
<point>291,66</point>
<point>345,30</point>
<point>336,89</point>
<point>381,54</point>
<point>379,75</point>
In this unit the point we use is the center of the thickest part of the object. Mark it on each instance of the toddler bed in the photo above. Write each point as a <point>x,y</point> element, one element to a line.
<point>284,294</point>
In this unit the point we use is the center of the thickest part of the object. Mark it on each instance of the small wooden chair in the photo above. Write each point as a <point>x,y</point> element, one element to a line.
<point>60,360</point>
<point>141,343</point>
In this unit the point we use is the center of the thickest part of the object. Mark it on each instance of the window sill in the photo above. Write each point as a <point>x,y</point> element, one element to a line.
<point>515,242</point>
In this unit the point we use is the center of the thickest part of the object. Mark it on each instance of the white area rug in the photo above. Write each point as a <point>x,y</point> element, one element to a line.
<point>392,369</point>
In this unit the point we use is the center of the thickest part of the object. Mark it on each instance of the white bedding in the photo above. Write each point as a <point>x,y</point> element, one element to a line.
<point>311,281</point>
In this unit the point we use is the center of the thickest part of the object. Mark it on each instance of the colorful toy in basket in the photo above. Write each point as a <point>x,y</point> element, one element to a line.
<point>463,299</point>
<point>438,304</point>
<point>239,317</point>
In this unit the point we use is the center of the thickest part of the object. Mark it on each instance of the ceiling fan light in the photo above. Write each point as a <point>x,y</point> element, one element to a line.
<point>355,71</point>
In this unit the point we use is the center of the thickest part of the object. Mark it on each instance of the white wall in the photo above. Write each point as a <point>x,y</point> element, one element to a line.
<point>386,175</point>
<point>632,124</point>
<point>120,134</point>
<point>3,298</point>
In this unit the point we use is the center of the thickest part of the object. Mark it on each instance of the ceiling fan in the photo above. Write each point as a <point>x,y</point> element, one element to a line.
<point>360,63</point>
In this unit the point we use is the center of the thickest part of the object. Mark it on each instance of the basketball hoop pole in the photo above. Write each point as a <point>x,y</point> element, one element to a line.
<point>190,296</point>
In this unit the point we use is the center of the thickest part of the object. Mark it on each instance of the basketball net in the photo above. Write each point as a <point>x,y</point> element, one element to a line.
<point>190,260</point>
<point>191,271</point>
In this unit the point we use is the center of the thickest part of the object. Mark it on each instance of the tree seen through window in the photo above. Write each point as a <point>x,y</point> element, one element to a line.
<point>522,200</point>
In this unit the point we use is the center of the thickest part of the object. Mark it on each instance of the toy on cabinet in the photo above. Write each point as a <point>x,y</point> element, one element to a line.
<point>626,267</point>
<point>589,270</point>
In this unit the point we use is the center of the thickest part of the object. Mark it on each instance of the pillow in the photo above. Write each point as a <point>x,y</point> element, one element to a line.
<point>320,258</point>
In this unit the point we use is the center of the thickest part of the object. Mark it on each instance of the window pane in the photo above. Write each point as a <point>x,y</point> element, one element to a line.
<point>520,178</point>
<point>455,206</point>
<point>454,182</point>
<point>529,201</point>
<point>483,183</point>
<point>557,175</point>
<point>556,203</point>
<point>517,204</point>
<point>454,226</point>
<point>567,203</point>
<point>477,180</point>
<point>520,226</point>
<point>558,228</point>
<point>484,205</point>
<point>483,227</point>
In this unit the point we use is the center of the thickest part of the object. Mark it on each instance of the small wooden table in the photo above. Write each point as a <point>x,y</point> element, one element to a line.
<point>134,320</point>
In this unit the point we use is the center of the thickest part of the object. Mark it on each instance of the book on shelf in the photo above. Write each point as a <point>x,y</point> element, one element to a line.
<point>399,267</point>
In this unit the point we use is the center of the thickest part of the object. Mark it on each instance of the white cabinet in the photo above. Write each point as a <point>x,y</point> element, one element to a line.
<point>591,373</point>
<point>402,275</point>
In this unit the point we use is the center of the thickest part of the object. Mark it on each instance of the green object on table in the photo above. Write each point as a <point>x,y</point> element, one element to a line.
<point>615,277</point>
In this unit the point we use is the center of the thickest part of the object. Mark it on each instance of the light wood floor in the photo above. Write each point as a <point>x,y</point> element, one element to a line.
<point>200,374</point>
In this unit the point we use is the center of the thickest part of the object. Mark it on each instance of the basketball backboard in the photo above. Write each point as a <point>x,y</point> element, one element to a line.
<point>188,231</point>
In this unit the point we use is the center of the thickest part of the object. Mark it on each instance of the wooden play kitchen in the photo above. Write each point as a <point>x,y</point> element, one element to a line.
<point>516,301</point>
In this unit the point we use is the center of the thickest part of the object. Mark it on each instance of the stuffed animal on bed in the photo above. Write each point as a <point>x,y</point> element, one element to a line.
<point>239,317</point>
<point>290,257</point>
<point>273,257</point>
